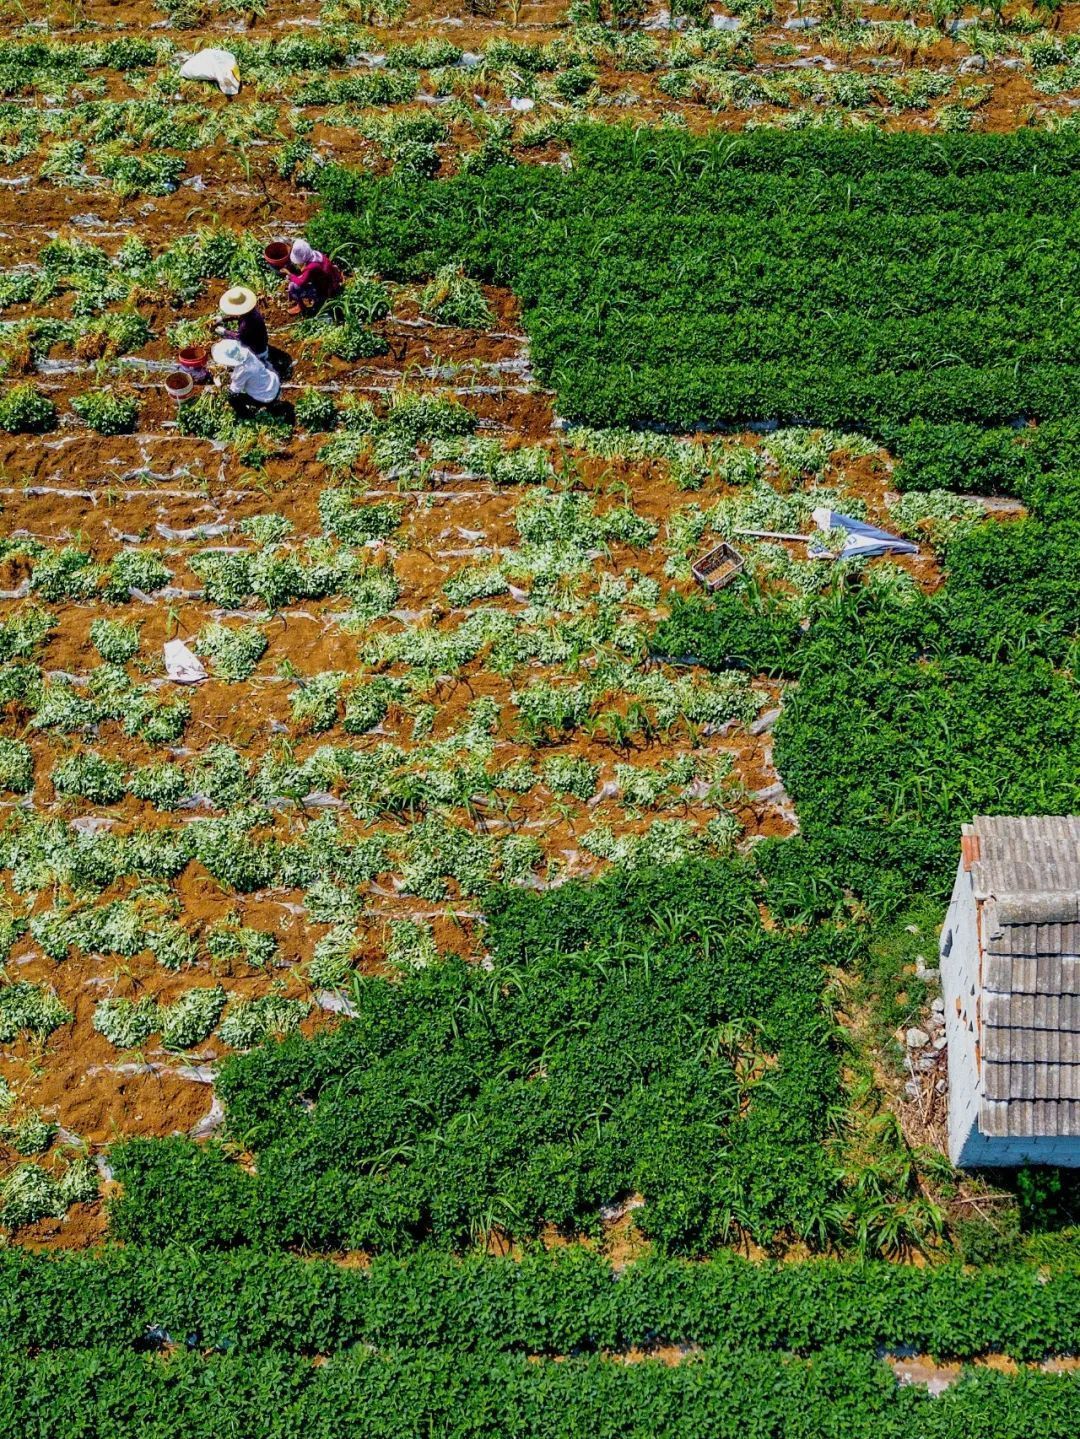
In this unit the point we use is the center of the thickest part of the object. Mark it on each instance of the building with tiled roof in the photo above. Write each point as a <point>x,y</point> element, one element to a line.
<point>1010,975</point>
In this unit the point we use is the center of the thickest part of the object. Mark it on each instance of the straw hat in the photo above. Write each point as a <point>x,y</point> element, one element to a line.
<point>237,301</point>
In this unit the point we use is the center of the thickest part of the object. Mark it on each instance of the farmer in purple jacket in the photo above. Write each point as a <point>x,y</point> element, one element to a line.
<point>315,279</point>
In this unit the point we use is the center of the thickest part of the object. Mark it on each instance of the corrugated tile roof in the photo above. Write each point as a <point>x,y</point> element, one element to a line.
<point>1031,1081</point>
<point>1024,937</point>
<point>1003,1010</point>
<point>1025,871</point>
<point>1031,974</point>
<point>1030,1046</point>
<point>1031,865</point>
<point>1022,1118</point>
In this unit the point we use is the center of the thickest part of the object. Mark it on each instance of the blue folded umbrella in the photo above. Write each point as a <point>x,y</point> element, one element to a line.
<point>863,540</point>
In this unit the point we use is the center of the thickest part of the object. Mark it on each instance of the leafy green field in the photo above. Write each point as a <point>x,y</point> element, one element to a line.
<point>733,1392</point>
<point>559,923</point>
<point>569,1302</point>
<point>847,280</point>
<point>646,1036</point>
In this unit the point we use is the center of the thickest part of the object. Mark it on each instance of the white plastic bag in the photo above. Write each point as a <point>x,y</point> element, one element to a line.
<point>181,665</point>
<point>217,65</point>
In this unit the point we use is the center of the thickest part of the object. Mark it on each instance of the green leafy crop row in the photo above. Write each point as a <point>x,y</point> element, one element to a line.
<point>569,1302</point>
<point>727,1394</point>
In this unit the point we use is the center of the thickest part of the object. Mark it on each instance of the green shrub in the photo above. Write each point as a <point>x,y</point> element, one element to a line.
<point>21,635</point>
<point>66,574</point>
<point>127,1023</point>
<point>316,410</point>
<point>364,300</point>
<point>250,1021</point>
<point>521,856</point>
<point>416,415</point>
<point>16,766</point>
<point>90,776</point>
<point>26,411</point>
<point>135,570</point>
<point>356,524</point>
<point>368,704</point>
<point>17,287</point>
<point>33,1134</point>
<point>333,957</point>
<point>266,529</point>
<point>230,943</point>
<point>116,641</point>
<point>566,774</point>
<point>106,412</point>
<point>354,342</point>
<point>230,854</point>
<point>28,1194</point>
<point>411,945</point>
<point>315,702</point>
<point>734,628</point>
<point>79,1183</point>
<point>234,651</point>
<point>475,582</point>
<point>25,1006</point>
<point>163,785</point>
<point>189,1019</point>
<point>454,299</point>
<point>222,776</point>
<point>158,722</point>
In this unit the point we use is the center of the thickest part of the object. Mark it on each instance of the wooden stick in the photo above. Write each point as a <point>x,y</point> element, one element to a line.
<point>978,1199</point>
<point>772,535</point>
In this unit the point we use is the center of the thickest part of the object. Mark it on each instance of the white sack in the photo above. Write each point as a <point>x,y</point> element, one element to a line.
<point>217,65</point>
<point>181,665</point>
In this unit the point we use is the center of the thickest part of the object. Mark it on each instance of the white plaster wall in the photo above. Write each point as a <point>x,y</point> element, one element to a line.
<point>960,990</point>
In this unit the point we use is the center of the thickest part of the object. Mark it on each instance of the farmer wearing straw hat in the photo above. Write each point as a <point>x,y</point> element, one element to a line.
<point>314,279</point>
<point>241,304</point>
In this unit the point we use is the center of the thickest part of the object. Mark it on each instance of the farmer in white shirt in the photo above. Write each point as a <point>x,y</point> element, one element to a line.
<point>252,384</point>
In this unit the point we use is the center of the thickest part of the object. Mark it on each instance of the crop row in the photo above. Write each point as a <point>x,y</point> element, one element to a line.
<point>567,1303</point>
<point>54,67</point>
<point>871,155</point>
<point>729,1394</point>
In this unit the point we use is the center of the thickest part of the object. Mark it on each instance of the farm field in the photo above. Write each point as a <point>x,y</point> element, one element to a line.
<point>502,996</point>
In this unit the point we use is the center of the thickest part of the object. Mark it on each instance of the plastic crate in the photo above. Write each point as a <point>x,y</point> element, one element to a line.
<point>719,567</point>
